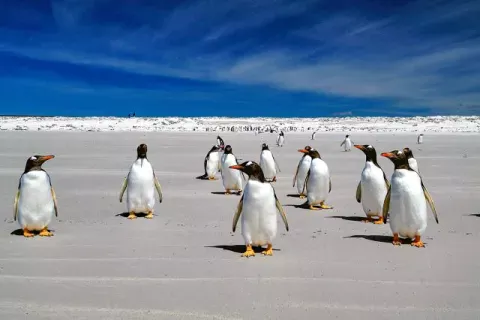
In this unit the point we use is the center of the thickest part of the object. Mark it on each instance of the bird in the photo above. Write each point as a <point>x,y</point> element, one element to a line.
<point>35,202</point>
<point>420,138</point>
<point>318,183</point>
<point>258,209</point>
<point>232,179</point>
<point>220,142</point>
<point>412,162</point>
<point>211,164</point>
<point>140,185</point>
<point>406,201</point>
<point>268,164</point>
<point>302,170</point>
<point>373,186</point>
<point>281,139</point>
<point>347,143</point>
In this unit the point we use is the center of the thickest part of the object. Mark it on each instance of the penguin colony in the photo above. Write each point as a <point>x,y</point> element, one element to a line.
<point>402,201</point>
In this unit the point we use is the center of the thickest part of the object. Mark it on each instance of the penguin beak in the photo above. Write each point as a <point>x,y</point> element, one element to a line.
<point>360,147</point>
<point>302,150</point>
<point>45,158</point>
<point>388,155</point>
<point>237,166</point>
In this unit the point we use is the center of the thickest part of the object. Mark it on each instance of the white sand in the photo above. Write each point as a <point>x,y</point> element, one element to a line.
<point>186,264</point>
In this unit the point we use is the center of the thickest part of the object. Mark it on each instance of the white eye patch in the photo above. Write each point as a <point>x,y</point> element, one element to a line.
<point>400,152</point>
<point>249,163</point>
<point>33,158</point>
<point>369,147</point>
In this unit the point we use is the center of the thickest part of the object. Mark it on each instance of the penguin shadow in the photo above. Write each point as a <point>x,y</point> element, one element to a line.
<point>474,215</point>
<point>126,214</point>
<point>348,218</point>
<point>376,238</point>
<point>202,177</point>
<point>293,195</point>
<point>239,248</point>
<point>223,193</point>
<point>19,232</point>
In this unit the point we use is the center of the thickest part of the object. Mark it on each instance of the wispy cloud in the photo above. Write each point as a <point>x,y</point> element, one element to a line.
<point>423,54</point>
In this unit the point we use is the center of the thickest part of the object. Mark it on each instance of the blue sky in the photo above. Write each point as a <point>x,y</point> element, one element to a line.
<point>239,58</point>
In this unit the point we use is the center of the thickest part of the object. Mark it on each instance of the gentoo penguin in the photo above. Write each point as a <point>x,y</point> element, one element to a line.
<point>268,164</point>
<point>313,135</point>
<point>347,143</point>
<point>302,171</point>
<point>373,186</point>
<point>412,162</point>
<point>140,184</point>
<point>318,183</point>
<point>211,164</point>
<point>258,207</point>
<point>35,201</point>
<point>232,179</point>
<point>405,201</point>
<point>281,139</point>
<point>220,142</point>
<point>420,138</point>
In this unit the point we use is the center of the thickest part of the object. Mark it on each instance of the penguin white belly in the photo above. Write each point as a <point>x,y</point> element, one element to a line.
<point>420,139</point>
<point>408,207</point>
<point>281,140</point>
<point>259,214</point>
<point>302,172</point>
<point>318,183</point>
<point>35,204</point>
<point>267,163</point>
<point>348,145</point>
<point>140,188</point>
<point>373,188</point>
<point>232,178</point>
<point>412,162</point>
<point>213,164</point>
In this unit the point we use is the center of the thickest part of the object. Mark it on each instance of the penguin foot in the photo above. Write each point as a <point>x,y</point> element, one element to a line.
<point>227,192</point>
<point>396,240</point>
<point>367,220</point>
<point>27,233</point>
<point>45,233</point>
<point>311,207</point>
<point>302,196</point>
<point>378,221</point>
<point>212,178</point>
<point>274,179</point>
<point>324,206</point>
<point>418,243</point>
<point>132,216</point>
<point>149,215</point>
<point>249,252</point>
<point>269,251</point>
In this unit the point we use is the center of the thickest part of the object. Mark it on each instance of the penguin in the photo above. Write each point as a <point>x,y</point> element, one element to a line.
<point>347,143</point>
<point>420,138</point>
<point>268,164</point>
<point>232,179</point>
<point>140,184</point>
<point>220,142</point>
<point>373,186</point>
<point>281,139</point>
<point>302,170</point>
<point>211,164</point>
<point>313,135</point>
<point>412,162</point>
<point>35,202</point>
<point>406,201</point>
<point>318,183</point>
<point>258,208</point>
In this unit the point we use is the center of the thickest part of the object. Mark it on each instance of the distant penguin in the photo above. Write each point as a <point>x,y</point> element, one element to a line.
<point>302,171</point>
<point>35,201</point>
<point>373,186</point>
<point>347,143</point>
<point>220,142</point>
<point>258,208</point>
<point>405,201</point>
<point>211,164</point>
<point>313,135</point>
<point>420,138</point>
<point>268,164</point>
<point>318,183</point>
<point>281,139</point>
<point>412,162</point>
<point>232,179</point>
<point>140,185</point>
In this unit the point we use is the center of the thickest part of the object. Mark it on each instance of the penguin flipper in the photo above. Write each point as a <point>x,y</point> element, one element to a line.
<point>238,212</point>
<point>276,163</point>
<point>386,205</point>
<point>429,199</point>
<point>124,187</point>
<point>329,185</point>
<point>386,180</point>
<point>280,209</point>
<point>306,182</point>
<point>359,192</point>
<point>159,188</point>
<point>54,196</point>
<point>15,205</point>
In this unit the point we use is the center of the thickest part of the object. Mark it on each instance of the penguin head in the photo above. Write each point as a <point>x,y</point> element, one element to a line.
<point>369,151</point>
<point>35,162</point>
<point>408,153</point>
<point>347,136</point>
<point>305,150</point>
<point>142,151</point>
<point>313,153</point>
<point>398,158</point>
<point>228,149</point>
<point>215,148</point>
<point>252,169</point>
<point>265,146</point>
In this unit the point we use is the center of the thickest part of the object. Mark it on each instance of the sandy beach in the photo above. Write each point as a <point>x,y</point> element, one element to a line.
<point>186,263</point>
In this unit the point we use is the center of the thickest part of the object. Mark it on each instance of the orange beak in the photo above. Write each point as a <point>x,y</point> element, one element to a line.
<point>358,146</point>
<point>45,158</point>
<point>302,150</point>
<point>237,166</point>
<point>388,155</point>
